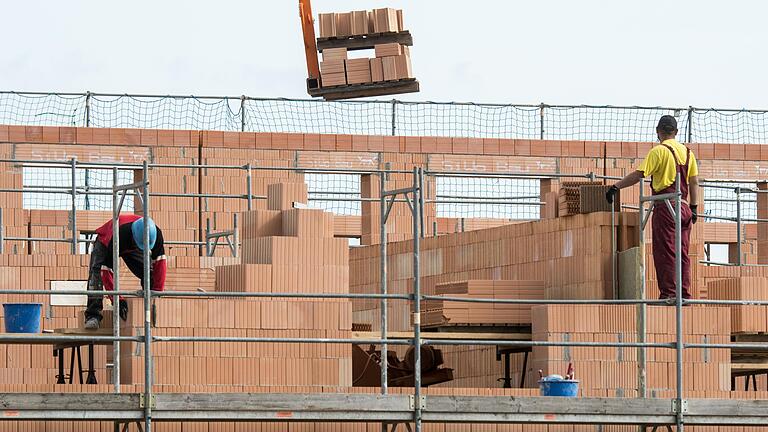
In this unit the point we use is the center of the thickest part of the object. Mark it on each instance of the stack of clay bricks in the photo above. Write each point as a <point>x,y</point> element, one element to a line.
<point>572,256</point>
<point>285,250</point>
<point>392,63</point>
<point>612,371</point>
<point>439,313</point>
<point>592,199</point>
<point>744,318</point>
<point>569,198</point>
<point>359,23</point>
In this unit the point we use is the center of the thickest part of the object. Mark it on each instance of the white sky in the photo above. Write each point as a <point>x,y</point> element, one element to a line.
<point>672,53</point>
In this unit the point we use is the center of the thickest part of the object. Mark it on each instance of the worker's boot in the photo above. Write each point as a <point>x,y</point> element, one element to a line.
<point>123,310</point>
<point>92,323</point>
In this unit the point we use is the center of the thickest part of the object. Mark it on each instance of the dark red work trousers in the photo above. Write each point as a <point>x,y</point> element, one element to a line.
<point>663,230</point>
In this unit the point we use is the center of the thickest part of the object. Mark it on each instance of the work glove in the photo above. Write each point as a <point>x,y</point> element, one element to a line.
<point>123,308</point>
<point>612,191</point>
<point>694,213</point>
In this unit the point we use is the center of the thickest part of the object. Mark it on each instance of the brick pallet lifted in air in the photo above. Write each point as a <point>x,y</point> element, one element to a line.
<point>388,72</point>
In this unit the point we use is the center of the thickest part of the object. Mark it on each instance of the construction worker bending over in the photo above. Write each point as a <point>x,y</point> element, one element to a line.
<point>663,163</point>
<point>131,231</point>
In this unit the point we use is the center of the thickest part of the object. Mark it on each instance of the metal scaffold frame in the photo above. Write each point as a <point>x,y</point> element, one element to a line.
<point>386,407</point>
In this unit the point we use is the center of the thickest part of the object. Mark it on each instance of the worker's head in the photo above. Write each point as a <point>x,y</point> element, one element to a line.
<point>667,128</point>
<point>137,229</point>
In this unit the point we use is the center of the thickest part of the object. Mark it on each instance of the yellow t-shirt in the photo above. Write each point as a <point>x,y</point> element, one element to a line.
<point>660,164</point>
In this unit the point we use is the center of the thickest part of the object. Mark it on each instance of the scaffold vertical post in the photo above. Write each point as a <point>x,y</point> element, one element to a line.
<point>689,137</point>
<point>541,120</point>
<point>147,285</point>
<point>2,248</point>
<point>249,185</point>
<point>235,235</point>
<point>73,192</point>
<point>416,301</point>
<point>422,222</point>
<point>383,281</point>
<point>394,117</point>
<point>640,294</point>
<point>679,302</point>
<point>87,109</point>
<point>116,279</point>
<point>242,113</point>
<point>739,226</point>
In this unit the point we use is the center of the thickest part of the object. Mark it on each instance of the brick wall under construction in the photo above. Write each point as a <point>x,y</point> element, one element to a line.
<point>569,256</point>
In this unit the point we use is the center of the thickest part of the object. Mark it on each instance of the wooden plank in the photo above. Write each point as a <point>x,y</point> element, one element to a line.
<point>368,41</point>
<point>329,402</point>
<point>69,401</point>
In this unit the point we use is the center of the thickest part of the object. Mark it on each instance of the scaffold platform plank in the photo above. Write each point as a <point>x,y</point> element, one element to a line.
<point>344,407</point>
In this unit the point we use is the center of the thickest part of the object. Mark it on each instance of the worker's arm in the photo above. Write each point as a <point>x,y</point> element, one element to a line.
<point>159,263</point>
<point>693,190</point>
<point>693,196</point>
<point>629,180</point>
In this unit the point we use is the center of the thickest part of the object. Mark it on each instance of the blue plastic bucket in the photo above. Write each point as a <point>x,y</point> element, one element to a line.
<point>22,317</point>
<point>562,387</point>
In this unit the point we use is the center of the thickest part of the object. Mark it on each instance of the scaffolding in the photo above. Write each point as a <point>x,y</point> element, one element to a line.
<point>386,407</point>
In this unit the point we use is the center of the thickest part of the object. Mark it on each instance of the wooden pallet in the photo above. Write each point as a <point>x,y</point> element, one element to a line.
<point>367,41</point>
<point>410,85</point>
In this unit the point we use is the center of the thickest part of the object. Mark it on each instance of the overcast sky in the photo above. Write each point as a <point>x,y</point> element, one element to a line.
<point>671,53</point>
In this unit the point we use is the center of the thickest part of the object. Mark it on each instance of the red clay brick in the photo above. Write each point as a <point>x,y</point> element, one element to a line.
<point>263,140</point>
<point>132,136</point>
<point>327,142</point>
<point>737,151</point>
<point>376,143</point>
<point>101,136</point>
<point>722,151</point>
<point>752,152</point>
<point>643,148</point>
<point>412,145</point>
<point>444,145</point>
<point>428,145</point>
<point>279,141</point>
<point>612,149</point>
<point>231,140</point>
<point>116,136</point>
<point>490,146</point>
<point>553,148</point>
<point>475,145</point>
<point>247,140</point>
<point>312,141</point>
<point>628,149</point>
<point>593,149</point>
<point>67,135</point>
<point>763,151</point>
<point>148,137</point>
<point>575,148</point>
<point>538,148</point>
<point>706,151</point>
<point>391,144</point>
<point>359,142</point>
<point>459,145</point>
<point>4,133</point>
<point>182,138</point>
<point>295,141</point>
<point>164,137</point>
<point>50,134</point>
<point>506,147</point>
<point>34,134</point>
<point>17,134</point>
<point>344,142</point>
<point>523,147</point>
